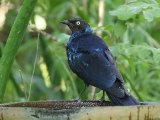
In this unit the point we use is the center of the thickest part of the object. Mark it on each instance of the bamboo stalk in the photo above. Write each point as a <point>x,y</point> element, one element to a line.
<point>13,42</point>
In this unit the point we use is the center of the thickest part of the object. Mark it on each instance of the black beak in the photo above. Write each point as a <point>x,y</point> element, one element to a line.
<point>66,22</point>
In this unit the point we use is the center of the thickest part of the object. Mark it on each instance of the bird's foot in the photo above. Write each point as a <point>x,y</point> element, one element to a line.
<point>101,101</point>
<point>77,100</point>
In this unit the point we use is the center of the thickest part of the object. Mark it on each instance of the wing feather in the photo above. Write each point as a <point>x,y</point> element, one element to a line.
<point>95,69</point>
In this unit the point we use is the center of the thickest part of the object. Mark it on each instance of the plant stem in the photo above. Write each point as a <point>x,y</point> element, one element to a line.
<point>13,42</point>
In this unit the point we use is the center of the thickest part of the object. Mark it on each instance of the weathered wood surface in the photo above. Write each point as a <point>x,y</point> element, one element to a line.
<point>71,110</point>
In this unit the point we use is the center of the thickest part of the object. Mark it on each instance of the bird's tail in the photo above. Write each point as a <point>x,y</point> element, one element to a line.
<point>125,101</point>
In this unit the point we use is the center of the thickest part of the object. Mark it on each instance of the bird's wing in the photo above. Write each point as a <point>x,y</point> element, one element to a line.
<point>118,88</point>
<point>100,70</point>
<point>111,59</point>
<point>96,68</point>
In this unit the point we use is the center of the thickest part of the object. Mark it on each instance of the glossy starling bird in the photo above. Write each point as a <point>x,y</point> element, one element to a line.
<point>90,58</point>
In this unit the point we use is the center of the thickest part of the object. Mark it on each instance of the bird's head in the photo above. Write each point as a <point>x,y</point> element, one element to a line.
<point>77,25</point>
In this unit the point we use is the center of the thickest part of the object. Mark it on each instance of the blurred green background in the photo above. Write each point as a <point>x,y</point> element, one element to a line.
<point>131,29</point>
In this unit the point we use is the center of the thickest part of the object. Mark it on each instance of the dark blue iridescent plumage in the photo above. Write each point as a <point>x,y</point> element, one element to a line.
<point>90,58</point>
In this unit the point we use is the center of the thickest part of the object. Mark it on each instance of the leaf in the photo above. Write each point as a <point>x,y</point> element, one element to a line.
<point>125,12</point>
<point>151,1</point>
<point>119,29</point>
<point>126,37</point>
<point>130,1</point>
<point>99,95</point>
<point>150,14</point>
<point>156,55</point>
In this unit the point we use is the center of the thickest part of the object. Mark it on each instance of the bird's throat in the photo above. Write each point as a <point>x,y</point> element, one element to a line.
<point>78,34</point>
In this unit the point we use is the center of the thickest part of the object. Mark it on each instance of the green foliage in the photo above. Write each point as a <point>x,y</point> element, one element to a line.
<point>130,29</point>
<point>150,10</point>
<point>13,42</point>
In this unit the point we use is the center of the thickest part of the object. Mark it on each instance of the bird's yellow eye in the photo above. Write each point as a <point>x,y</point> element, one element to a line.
<point>78,23</point>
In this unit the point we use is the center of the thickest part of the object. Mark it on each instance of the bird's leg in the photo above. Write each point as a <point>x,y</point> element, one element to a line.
<point>83,90</point>
<point>103,97</point>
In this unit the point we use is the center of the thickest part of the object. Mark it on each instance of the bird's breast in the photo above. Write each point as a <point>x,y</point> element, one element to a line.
<point>72,54</point>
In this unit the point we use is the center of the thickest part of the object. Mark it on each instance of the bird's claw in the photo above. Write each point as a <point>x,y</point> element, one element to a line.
<point>77,100</point>
<point>101,101</point>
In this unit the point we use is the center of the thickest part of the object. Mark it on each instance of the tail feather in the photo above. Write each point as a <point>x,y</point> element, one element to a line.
<point>125,101</point>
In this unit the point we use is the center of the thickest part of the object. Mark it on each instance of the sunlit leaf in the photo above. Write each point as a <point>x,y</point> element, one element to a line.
<point>150,14</point>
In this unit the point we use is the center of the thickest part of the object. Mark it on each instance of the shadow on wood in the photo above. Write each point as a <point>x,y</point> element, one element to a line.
<point>77,110</point>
